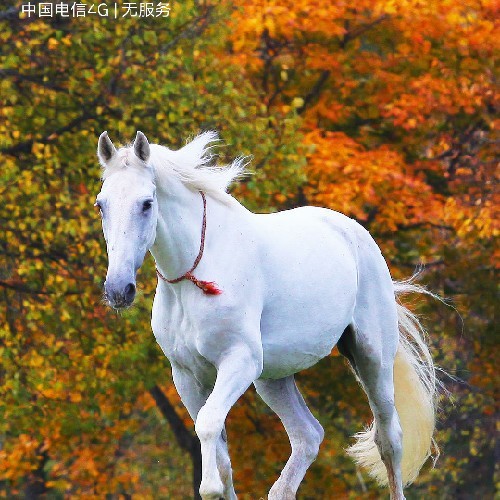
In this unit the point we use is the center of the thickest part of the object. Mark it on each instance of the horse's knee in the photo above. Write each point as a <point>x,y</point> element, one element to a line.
<point>209,424</point>
<point>310,443</point>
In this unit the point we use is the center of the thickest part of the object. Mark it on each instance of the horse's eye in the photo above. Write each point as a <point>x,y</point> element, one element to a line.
<point>147,205</point>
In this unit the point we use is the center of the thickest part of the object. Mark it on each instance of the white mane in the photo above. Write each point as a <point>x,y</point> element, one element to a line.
<point>192,164</point>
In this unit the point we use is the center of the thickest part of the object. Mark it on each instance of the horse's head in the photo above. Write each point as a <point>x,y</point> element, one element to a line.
<point>129,212</point>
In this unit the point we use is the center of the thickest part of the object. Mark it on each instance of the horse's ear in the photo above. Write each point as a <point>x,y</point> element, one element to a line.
<point>105,148</point>
<point>141,147</point>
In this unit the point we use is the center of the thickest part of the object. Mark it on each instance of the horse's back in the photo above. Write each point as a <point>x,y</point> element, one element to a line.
<point>308,258</point>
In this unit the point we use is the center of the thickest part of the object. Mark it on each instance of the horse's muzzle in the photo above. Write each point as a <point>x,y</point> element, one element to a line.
<point>119,297</point>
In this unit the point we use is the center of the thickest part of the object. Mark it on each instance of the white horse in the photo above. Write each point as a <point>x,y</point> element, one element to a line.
<point>244,298</point>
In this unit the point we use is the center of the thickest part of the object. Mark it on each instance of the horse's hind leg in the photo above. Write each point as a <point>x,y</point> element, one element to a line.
<point>304,431</point>
<point>371,349</point>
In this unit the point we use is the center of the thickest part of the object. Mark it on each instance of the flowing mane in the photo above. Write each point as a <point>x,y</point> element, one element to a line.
<point>193,164</point>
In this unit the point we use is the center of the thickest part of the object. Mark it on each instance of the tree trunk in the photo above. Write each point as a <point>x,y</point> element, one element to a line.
<point>185,438</point>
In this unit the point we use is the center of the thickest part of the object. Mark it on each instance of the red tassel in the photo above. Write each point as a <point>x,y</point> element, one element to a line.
<point>208,287</point>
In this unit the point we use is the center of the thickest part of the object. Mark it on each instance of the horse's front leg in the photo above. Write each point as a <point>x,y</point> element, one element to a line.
<point>194,395</point>
<point>236,370</point>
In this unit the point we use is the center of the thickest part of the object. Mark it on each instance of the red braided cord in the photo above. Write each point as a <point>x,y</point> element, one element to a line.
<point>207,287</point>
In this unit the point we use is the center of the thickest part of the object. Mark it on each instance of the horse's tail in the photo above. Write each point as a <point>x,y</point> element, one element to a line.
<point>415,390</point>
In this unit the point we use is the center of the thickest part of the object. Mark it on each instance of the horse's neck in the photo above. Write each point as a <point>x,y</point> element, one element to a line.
<point>180,215</point>
<point>178,231</point>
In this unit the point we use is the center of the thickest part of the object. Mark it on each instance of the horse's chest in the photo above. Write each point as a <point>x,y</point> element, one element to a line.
<point>177,334</point>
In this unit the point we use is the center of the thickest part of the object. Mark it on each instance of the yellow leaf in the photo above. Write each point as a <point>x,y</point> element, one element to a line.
<point>75,397</point>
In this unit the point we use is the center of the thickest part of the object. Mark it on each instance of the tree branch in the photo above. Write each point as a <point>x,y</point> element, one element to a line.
<point>25,146</point>
<point>37,80</point>
<point>359,30</point>
<point>314,92</point>
<point>192,29</point>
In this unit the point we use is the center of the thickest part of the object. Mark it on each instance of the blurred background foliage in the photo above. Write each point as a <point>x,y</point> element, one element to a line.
<point>382,110</point>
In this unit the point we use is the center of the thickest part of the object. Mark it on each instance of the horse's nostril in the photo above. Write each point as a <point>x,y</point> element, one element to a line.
<point>129,292</point>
